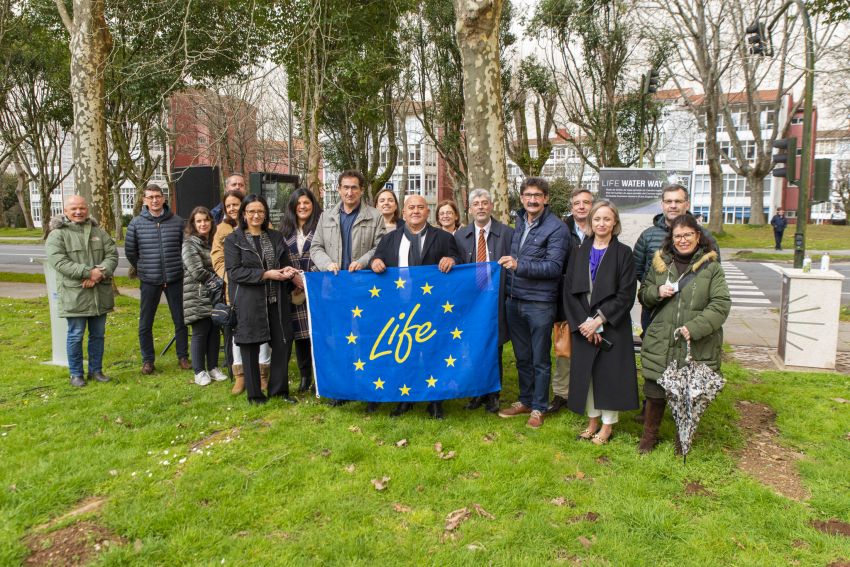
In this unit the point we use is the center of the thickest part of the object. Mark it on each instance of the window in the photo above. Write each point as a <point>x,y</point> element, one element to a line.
<point>414,154</point>
<point>384,156</point>
<point>128,198</point>
<point>414,185</point>
<point>430,155</point>
<point>700,158</point>
<point>702,186</point>
<point>767,119</point>
<point>430,185</point>
<point>559,153</point>
<point>739,118</point>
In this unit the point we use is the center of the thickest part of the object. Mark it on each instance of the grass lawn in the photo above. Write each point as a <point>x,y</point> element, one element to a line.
<point>19,277</point>
<point>746,255</point>
<point>6,231</point>
<point>818,236</point>
<point>193,476</point>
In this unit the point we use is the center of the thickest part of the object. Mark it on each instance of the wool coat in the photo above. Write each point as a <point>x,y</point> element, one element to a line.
<point>300,320</point>
<point>247,289</point>
<point>613,372</point>
<point>197,269</point>
<point>702,305</point>
<point>73,249</point>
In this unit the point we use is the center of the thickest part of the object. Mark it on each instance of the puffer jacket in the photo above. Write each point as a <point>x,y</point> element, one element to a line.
<point>73,249</point>
<point>197,269</point>
<point>651,239</point>
<point>540,262</point>
<point>702,306</point>
<point>247,289</point>
<point>153,246</point>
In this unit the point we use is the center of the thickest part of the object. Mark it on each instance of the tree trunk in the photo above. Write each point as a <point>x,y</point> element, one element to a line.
<point>21,186</point>
<point>756,186</point>
<point>90,45</point>
<point>46,209</point>
<point>117,212</point>
<point>405,161</point>
<point>477,30</point>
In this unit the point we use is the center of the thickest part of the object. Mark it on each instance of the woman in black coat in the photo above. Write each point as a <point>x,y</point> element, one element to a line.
<point>259,274</point>
<point>599,294</point>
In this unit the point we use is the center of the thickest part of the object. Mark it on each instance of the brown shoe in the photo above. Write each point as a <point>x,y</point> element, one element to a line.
<point>516,409</point>
<point>185,364</point>
<point>536,419</point>
<point>147,367</point>
<point>238,380</point>
<point>558,403</point>
<point>652,421</point>
<point>265,373</point>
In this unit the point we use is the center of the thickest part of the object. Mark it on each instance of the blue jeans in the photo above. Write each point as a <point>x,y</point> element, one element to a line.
<point>530,327</point>
<point>74,344</point>
<point>150,295</point>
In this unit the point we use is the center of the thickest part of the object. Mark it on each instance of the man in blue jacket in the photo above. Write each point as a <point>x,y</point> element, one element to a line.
<point>539,249</point>
<point>153,247</point>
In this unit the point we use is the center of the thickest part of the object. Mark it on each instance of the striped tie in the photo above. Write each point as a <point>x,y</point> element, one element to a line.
<point>481,251</point>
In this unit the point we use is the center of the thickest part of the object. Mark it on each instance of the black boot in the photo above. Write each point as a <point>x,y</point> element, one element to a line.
<point>401,409</point>
<point>474,403</point>
<point>435,410</point>
<point>306,384</point>
<point>491,402</point>
<point>371,407</point>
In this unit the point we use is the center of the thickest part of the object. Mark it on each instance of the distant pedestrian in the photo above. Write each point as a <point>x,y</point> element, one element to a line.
<point>153,246</point>
<point>779,223</point>
<point>84,257</point>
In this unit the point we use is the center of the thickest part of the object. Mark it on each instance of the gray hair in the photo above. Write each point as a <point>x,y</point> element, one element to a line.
<point>476,193</point>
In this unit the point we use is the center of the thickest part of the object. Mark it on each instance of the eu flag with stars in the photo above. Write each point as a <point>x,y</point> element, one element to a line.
<point>407,334</point>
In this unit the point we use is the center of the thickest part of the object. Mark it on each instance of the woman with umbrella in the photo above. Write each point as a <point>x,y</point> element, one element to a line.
<point>599,292</point>
<point>685,291</point>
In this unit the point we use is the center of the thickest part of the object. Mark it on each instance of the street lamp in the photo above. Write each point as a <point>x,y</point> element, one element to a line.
<point>806,161</point>
<point>649,85</point>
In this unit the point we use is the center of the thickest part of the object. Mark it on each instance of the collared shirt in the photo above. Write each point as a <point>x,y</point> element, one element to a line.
<point>475,234</point>
<point>580,234</point>
<point>528,227</point>
<point>346,221</point>
<point>404,248</point>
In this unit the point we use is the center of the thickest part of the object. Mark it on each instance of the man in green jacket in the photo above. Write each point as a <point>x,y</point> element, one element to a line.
<point>84,257</point>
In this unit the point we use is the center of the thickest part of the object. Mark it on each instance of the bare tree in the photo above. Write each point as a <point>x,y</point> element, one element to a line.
<point>533,92</point>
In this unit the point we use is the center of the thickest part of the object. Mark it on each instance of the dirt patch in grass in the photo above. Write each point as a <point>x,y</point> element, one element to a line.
<point>763,458</point>
<point>77,544</point>
<point>832,526</point>
<point>92,504</point>
<point>695,488</point>
<point>760,358</point>
<point>222,435</point>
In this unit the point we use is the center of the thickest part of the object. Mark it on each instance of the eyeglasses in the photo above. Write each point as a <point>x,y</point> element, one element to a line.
<point>673,202</point>
<point>255,213</point>
<point>533,195</point>
<point>684,236</point>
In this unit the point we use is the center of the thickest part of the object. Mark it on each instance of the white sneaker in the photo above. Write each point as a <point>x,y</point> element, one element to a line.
<point>218,375</point>
<point>202,378</point>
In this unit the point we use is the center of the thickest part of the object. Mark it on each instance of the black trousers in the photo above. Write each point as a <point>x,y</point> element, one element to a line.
<point>150,295</point>
<point>303,356</point>
<point>205,345</point>
<point>278,383</point>
<point>777,237</point>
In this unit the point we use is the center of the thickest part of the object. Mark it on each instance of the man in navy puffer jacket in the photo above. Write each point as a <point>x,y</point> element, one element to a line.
<point>153,247</point>
<point>539,250</point>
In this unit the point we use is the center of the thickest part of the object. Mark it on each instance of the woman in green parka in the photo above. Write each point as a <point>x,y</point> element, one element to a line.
<point>685,290</point>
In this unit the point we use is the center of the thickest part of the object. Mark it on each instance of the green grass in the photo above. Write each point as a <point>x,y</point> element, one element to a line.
<point>20,232</point>
<point>281,490</point>
<point>746,255</point>
<point>16,277</point>
<point>844,314</point>
<point>818,236</point>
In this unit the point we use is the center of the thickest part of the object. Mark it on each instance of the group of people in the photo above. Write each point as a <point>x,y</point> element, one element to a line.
<point>574,271</point>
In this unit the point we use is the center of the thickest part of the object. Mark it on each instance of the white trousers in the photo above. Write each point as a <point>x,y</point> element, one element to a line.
<point>609,417</point>
<point>265,354</point>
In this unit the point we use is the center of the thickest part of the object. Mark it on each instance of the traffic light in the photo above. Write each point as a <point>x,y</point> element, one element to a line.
<point>821,189</point>
<point>786,159</point>
<point>758,39</point>
<point>650,81</point>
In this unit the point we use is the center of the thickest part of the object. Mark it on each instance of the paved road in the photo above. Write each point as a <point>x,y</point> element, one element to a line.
<point>759,284</point>
<point>16,258</point>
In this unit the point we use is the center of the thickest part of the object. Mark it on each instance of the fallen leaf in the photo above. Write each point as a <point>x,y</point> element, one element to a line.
<point>489,438</point>
<point>580,475</point>
<point>454,519</point>
<point>438,447</point>
<point>559,501</point>
<point>354,429</point>
<point>118,420</point>
<point>589,517</point>
<point>13,487</point>
<point>401,443</point>
<point>350,469</point>
<point>401,508</point>
<point>326,452</point>
<point>603,460</point>
<point>482,512</point>
<point>841,400</point>
<point>586,542</point>
<point>447,456</point>
<point>380,484</point>
<point>474,546</point>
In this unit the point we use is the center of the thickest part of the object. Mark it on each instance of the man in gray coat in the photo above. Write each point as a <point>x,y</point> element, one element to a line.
<point>347,236</point>
<point>486,240</point>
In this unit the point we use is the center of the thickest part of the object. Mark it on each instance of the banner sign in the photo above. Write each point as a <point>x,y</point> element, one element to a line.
<point>634,188</point>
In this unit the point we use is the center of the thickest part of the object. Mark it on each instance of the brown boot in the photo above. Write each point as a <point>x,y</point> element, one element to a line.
<point>652,421</point>
<point>265,372</point>
<point>238,380</point>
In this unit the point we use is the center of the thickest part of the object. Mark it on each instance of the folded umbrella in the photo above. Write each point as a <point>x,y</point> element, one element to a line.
<point>689,391</point>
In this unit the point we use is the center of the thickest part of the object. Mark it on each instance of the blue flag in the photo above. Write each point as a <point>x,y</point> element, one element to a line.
<point>408,334</point>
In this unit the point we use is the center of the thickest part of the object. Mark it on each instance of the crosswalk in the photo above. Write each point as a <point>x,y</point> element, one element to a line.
<point>745,294</point>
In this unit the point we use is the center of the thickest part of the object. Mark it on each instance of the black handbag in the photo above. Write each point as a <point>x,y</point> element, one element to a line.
<point>214,287</point>
<point>223,314</point>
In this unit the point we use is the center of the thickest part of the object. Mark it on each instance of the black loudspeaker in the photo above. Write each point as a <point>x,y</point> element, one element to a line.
<point>196,186</point>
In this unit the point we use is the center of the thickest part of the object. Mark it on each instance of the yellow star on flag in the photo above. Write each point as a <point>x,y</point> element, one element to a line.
<point>426,289</point>
<point>356,311</point>
<point>456,333</point>
<point>352,339</point>
<point>375,291</point>
<point>379,384</point>
<point>447,308</point>
<point>432,382</point>
<point>399,283</point>
<point>359,365</point>
<point>450,361</point>
<point>405,390</point>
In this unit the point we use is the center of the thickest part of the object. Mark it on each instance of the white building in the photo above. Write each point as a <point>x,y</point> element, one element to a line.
<point>833,145</point>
